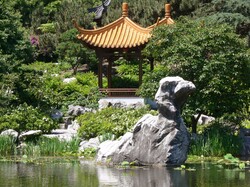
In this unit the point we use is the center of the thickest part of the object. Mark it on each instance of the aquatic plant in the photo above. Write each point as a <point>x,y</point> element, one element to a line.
<point>89,152</point>
<point>216,140</point>
<point>51,147</point>
<point>7,146</point>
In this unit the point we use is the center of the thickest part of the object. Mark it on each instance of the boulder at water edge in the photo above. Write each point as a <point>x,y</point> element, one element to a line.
<point>161,139</point>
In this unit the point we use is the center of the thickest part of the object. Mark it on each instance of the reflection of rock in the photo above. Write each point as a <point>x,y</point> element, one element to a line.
<point>158,176</point>
<point>161,139</point>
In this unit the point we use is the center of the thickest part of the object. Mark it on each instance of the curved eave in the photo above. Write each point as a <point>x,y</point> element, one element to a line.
<point>164,21</point>
<point>122,33</point>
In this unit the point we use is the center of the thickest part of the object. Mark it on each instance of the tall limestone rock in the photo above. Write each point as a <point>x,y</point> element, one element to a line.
<point>161,139</point>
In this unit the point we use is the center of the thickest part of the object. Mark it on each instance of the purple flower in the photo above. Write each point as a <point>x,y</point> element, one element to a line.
<point>34,40</point>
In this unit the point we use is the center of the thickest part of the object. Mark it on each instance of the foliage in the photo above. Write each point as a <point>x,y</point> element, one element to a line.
<point>233,12</point>
<point>83,91</point>
<point>51,147</point>
<point>116,121</point>
<point>26,117</point>
<point>89,152</point>
<point>246,124</point>
<point>146,12</point>
<point>127,73</point>
<point>7,146</point>
<point>41,86</point>
<point>216,140</point>
<point>211,56</point>
<point>70,50</point>
<point>150,82</point>
<point>14,46</point>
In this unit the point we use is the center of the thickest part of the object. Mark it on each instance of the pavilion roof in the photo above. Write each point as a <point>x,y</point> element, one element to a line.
<point>122,33</point>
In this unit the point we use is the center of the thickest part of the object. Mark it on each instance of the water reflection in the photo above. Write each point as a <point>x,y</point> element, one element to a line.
<point>88,174</point>
<point>151,177</point>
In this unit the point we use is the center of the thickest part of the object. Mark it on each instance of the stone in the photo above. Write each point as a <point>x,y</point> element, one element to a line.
<point>69,80</point>
<point>155,140</point>
<point>121,102</point>
<point>10,132</point>
<point>92,143</point>
<point>204,119</point>
<point>29,135</point>
<point>74,126</point>
<point>56,115</point>
<point>77,110</point>
<point>62,134</point>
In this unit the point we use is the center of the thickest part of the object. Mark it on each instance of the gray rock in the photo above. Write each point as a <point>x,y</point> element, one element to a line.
<point>74,126</point>
<point>56,114</point>
<point>204,119</point>
<point>161,139</point>
<point>92,143</point>
<point>10,132</point>
<point>77,110</point>
<point>69,80</point>
<point>62,134</point>
<point>245,137</point>
<point>29,135</point>
<point>123,102</point>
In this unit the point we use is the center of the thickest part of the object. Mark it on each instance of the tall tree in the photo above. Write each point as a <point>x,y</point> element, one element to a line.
<point>212,56</point>
<point>232,12</point>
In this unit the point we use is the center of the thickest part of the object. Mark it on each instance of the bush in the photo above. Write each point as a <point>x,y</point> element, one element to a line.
<point>7,146</point>
<point>212,56</point>
<point>26,117</point>
<point>51,147</point>
<point>41,86</point>
<point>116,121</point>
<point>216,140</point>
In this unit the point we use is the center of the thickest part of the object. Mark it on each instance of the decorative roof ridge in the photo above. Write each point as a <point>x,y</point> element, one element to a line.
<point>123,19</point>
<point>97,30</point>
<point>166,20</point>
<point>136,26</point>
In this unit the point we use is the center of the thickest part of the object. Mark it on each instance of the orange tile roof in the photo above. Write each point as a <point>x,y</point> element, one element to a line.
<point>122,33</point>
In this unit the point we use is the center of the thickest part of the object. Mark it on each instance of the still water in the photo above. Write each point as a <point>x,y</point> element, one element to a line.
<point>88,174</point>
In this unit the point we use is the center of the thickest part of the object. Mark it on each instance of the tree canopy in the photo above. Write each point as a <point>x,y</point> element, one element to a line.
<point>212,56</point>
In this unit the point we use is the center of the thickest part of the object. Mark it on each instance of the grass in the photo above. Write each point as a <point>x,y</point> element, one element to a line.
<point>42,147</point>
<point>7,146</point>
<point>51,147</point>
<point>215,141</point>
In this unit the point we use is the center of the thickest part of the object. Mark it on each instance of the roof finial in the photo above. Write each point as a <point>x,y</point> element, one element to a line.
<point>167,11</point>
<point>125,9</point>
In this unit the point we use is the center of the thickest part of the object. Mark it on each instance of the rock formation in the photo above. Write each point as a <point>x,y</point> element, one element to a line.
<point>161,139</point>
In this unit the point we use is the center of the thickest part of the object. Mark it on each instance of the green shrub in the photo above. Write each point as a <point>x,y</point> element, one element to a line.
<point>26,117</point>
<point>246,124</point>
<point>89,152</point>
<point>116,121</point>
<point>212,56</point>
<point>51,147</point>
<point>84,91</point>
<point>216,140</point>
<point>7,146</point>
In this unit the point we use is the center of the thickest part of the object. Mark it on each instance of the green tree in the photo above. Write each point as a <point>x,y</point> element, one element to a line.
<point>232,12</point>
<point>213,57</point>
<point>15,49</point>
<point>70,50</point>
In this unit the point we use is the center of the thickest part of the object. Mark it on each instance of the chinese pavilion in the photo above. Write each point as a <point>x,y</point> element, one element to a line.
<point>116,39</point>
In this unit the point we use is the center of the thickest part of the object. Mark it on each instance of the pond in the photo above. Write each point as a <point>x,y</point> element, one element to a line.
<point>88,174</point>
